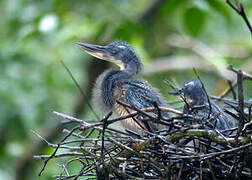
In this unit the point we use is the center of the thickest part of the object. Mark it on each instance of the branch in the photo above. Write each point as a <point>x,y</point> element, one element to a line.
<point>245,74</point>
<point>239,9</point>
<point>208,99</point>
<point>208,134</point>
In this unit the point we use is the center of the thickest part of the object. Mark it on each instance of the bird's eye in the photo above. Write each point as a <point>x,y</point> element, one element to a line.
<point>114,51</point>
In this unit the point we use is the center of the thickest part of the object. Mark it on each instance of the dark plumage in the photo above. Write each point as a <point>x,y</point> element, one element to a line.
<point>113,85</point>
<point>195,96</point>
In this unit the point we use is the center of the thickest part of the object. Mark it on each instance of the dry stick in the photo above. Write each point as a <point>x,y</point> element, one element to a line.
<point>241,116</point>
<point>208,99</point>
<point>240,10</point>
<point>158,109</point>
<point>143,126</point>
<point>168,83</point>
<point>81,91</point>
<point>245,74</point>
<point>55,151</point>
<point>232,89</point>
<point>80,173</point>
<point>211,169</point>
<point>229,89</point>
<point>249,115</point>
<point>74,159</point>
<point>104,120</point>
<point>180,171</point>
<point>234,84</point>
<point>84,170</point>
<point>86,125</point>
<point>201,173</point>
<point>228,166</point>
<point>246,126</point>
<point>150,109</point>
<point>241,101</point>
<point>55,146</point>
<point>60,155</point>
<point>209,134</point>
<point>214,154</point>
<point>214,127</point>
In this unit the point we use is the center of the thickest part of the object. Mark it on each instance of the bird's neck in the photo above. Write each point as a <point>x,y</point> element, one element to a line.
<point>198,102</point>
<point>133,67</point>
<point>109,79</point>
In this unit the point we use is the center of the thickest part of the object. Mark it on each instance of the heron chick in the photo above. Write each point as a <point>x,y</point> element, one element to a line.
<point>120,85</point>
<point>197,104</point>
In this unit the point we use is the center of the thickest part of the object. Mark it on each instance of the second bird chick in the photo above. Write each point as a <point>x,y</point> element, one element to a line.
<point>197,105</point>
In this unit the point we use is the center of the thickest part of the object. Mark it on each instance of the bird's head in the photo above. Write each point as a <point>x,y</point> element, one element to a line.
<point>117,52</point>
<point>192,91</point>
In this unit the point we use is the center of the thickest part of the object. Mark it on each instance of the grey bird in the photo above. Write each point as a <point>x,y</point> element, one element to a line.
<point>120,85</point>
<point>197,105</point>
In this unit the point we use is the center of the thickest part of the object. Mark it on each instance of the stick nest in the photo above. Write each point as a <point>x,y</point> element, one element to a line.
<point>179,151</point>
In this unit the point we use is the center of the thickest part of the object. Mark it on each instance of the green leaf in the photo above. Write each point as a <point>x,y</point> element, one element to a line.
<point>220,7</point>
<point>193,21</point>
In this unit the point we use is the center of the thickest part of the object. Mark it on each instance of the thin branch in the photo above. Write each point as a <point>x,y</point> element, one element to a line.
<point>79,88</point>
<point>208,99</point>
<point>55,151</point>
<point>240,97</point>
<point>209,134</point>
<point>239,9</point>
<point>105,124</point>
<point>245,74</point>
<point>232,89</point>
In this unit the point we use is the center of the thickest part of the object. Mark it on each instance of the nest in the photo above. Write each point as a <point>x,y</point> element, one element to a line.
<point>179,151</point>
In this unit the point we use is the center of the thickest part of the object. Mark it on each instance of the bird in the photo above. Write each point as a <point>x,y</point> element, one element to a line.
<point>115,85</point>
<point>196,103</point>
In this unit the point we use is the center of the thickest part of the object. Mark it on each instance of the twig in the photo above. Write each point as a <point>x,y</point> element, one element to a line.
<point>241,101</point>
<point>168,83</point>
<point>244,74</point>
<point>55,151</point>
<point>240,10</point>
<point>209,134</point>
<point>104,120</point>
<point>79,88</point>
<point>234,84</point>
<point>77,154</point>
<point>208,99</point>
<point>214,154</point>
<point>232,89</point>
<point>229,89</point>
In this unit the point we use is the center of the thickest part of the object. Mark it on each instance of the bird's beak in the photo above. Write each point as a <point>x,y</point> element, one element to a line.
<point>100,52</point>
<point>179,92</point>
<point>95,50</point>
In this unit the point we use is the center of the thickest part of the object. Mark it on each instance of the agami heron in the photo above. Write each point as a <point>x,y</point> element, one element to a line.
<point>197,105</point>
<point>120,85</point>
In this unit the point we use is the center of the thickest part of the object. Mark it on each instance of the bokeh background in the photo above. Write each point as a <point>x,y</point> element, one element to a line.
<point>170,36</point>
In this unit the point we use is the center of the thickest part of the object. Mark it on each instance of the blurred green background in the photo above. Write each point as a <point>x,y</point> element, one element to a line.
<point>170,36</point>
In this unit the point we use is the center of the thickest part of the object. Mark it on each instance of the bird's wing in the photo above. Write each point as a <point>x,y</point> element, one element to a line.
<point>223,121</point>
<point>141,95</point>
